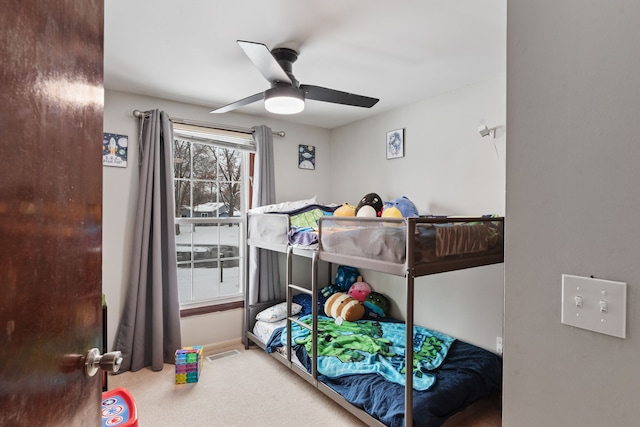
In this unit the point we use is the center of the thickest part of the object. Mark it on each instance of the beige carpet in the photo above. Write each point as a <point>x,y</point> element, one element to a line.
<point>248,389</point>
<point>252,389</point>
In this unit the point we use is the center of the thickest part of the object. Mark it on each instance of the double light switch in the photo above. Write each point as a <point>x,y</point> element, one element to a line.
<point>595,304</point>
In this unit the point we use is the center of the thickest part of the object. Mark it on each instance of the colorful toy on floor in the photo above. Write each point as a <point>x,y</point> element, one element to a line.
<point>118,409</point>
<point>188,364</point>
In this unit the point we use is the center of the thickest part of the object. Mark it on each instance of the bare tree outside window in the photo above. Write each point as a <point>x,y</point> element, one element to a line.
<point>230,170</point>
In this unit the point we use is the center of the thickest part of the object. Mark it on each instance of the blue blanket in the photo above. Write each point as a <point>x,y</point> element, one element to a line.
<point>369,346</point>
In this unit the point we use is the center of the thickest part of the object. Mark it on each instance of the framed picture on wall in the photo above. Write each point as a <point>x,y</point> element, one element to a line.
<point>114,150</point>
<point>395,144</point>
<point>306,157</point>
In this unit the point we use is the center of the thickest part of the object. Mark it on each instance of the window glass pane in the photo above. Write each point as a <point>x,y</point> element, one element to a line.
<point>229,176</point>
<point>204,161</point>
<point>183,198</point>
<point>230,261</point>
<point>184,247</point>
<point>181,159</point>
<point>230,196</point>
<point>184,283</point>
<point>205,200</point>
<point>205,281</point>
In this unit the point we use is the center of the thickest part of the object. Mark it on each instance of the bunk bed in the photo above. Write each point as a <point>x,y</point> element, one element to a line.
<point>407,247</point>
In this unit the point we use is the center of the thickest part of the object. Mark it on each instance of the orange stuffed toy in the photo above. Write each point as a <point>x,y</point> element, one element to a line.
<point>342,306</point>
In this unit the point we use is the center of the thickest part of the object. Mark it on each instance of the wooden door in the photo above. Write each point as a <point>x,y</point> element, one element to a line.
<point>51,107</point>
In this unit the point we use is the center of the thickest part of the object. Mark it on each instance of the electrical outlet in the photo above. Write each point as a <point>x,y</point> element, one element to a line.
<point>499,345</point>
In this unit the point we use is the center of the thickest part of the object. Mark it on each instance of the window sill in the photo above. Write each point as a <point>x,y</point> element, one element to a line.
<point>188,312</point>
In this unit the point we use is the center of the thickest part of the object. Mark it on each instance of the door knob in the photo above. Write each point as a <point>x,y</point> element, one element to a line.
<point>109,362</point>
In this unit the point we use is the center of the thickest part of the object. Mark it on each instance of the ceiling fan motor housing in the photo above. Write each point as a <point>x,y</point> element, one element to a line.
<point>286,57</point>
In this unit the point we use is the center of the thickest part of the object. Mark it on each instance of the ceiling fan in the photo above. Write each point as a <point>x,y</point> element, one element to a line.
<point>287,95</point>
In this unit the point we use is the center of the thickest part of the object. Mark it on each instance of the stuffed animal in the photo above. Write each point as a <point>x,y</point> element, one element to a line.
<point>370,206</point>
<point>329,290</point>
<point>360,290</point>
<point>346,209</point>
<point>341,306</point>
<point>406,207</point>
<point>377,305</point>
<point>391,212</point>
<point>345,277</point>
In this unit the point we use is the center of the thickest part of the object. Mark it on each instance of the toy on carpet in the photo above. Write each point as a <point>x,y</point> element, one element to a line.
<point>377,305</point>
<point>405,206</point>
<point>360,290</point>
<point>369,206</point>
<point>346,209</point>
<point>188,364</point>
<point>341,306</point>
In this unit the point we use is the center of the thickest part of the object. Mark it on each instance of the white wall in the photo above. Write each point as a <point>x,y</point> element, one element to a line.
<point>573,195</point>
<point>448,168</point>
<point>121,191</point>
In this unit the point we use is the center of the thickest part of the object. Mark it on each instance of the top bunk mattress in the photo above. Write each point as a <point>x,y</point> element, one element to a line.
<point>424,245</point>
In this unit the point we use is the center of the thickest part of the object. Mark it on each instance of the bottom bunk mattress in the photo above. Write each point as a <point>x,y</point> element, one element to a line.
<point>264,331</point>
<point>462,374</point>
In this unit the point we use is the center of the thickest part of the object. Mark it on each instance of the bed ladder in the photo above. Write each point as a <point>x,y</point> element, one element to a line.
<point>314,307</point>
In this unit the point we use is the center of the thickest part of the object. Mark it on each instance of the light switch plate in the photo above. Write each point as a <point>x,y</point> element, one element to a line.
<point>595,304</point>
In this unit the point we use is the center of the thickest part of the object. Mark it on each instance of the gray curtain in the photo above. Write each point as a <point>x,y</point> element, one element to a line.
<point>264,276</point>
<point>149,332</point>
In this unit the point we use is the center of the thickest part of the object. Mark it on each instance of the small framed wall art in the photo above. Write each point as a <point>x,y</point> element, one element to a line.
<point>306,157</point>
<point>395,144</point>
<point>114,150</point>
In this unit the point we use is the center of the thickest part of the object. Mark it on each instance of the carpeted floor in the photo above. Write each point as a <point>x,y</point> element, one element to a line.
<point>246,389</point>
<point>249,389</point>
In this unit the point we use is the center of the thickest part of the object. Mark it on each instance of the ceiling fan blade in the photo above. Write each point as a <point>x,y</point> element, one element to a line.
<point>262,58</point>
<point>241,103</point>
<point>337,97</point>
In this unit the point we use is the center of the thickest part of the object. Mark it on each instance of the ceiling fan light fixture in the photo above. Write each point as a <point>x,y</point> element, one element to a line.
<point>284,100</point>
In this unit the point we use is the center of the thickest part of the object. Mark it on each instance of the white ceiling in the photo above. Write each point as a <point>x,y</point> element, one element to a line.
<point>400,51</point>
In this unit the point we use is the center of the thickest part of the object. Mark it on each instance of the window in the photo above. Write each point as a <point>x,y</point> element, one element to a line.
<point>211,197</point>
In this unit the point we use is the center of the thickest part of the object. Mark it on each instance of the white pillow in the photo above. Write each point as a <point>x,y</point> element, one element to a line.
<point>278,312</point>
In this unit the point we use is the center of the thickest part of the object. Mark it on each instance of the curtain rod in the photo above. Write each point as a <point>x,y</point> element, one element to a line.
<point>138,113</point>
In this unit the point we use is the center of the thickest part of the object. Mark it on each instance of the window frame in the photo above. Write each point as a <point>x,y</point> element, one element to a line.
<point>246,147</point>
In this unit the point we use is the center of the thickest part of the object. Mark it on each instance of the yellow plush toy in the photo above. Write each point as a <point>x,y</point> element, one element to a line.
<point>391,212</point>
<point>345,210</point>
<point>345,307</point>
